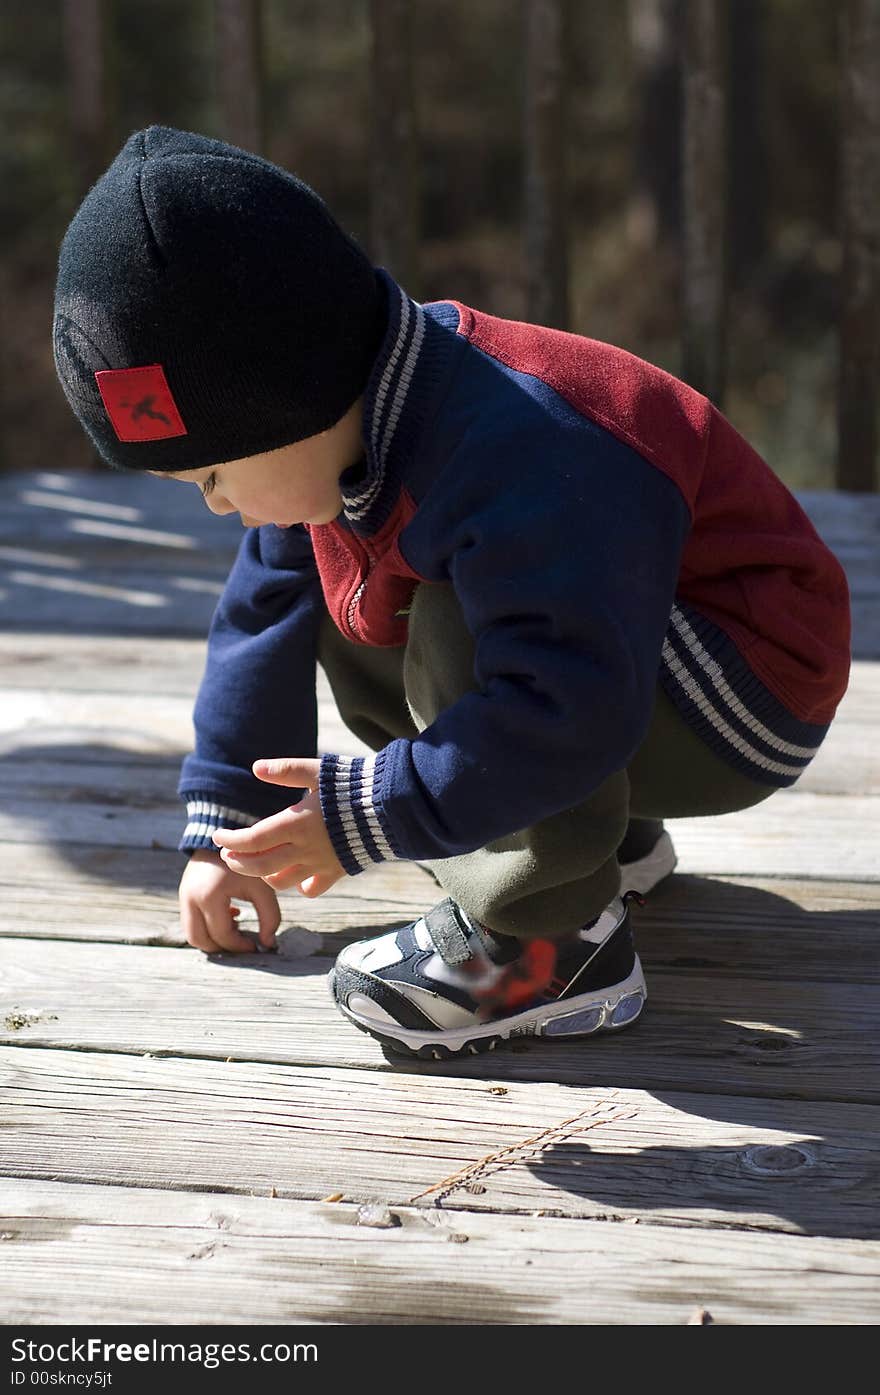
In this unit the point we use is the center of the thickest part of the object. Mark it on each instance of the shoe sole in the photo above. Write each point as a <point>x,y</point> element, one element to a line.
<point>604,1010</point>
<point>644,875</point>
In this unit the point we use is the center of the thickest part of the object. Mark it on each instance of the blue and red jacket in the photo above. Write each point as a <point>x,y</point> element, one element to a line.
<point>604,527</point>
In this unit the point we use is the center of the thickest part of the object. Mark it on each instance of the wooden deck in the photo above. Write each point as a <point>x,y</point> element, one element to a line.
<point>186,1139</point>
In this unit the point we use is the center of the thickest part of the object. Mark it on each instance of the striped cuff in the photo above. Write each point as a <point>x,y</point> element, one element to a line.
<point>346,789</point>
<point>204,816</point>
<point>727,705</point>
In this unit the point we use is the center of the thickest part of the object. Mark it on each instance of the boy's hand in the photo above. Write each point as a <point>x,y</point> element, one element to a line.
<point>291,848</point>
<point>207,916</point>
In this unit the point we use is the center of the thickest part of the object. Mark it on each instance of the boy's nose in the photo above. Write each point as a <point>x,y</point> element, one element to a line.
<point>217,504</point>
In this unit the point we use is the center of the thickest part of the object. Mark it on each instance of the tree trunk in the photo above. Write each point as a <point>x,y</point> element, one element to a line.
<point>705,172</point>
<point>85,46</point>
<point>86,82</point>
<point>545,119</point>
<point>747,144</point>
<point>860,234</point>
<point>394,214</point>
<point>238,26</point>
<point>654,214</point>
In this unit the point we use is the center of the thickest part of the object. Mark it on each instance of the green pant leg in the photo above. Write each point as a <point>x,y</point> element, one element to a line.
<point>385,693</point>
<point>541,880</point>
<point>367,685</point>
<point>551,877</point>
<point>675,775</point>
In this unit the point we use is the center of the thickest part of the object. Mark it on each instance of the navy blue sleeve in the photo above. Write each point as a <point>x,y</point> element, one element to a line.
<point>257,694</point>
<point>564,558</point>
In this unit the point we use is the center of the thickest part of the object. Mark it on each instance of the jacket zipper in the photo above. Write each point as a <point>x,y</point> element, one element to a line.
<point>356,598</point>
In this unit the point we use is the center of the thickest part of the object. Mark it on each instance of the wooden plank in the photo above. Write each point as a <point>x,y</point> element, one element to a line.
<point>778,929</point>
<point>59,518</point>
<point>405,1138</point>
<point>843,520</point>
<point>790,835</point>
<point>838,516</point>
<point>818,834</point>
<point>42,505</point>
<point>103,552</point>
<point>145,697</point>
<point>108,600</point>
<point>861,703</point>
<point>81,1254</point>
<point>117,552</point>
<point>32,718</point>
<point>775,929</point>
<point>702,1032</point>
<point>149,714</point>
<point>141,724</point>
<point>178,601</point>
<point>122,663</point>
<point>129,896</point>
<point>136,673</point>
<point>847,763</point>
<point>865,627</point>
<point>100,664</point>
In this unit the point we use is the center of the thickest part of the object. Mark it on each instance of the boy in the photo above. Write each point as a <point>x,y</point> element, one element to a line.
<point>551,587</point>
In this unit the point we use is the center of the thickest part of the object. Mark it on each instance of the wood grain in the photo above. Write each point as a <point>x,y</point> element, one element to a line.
<point>790,835</point>
<point>730,1035</point>
<point>129,895</point>
<point>490,1143</point>
<point>730,1139</point>
<point>771,928</point>
<point>109,1255</point>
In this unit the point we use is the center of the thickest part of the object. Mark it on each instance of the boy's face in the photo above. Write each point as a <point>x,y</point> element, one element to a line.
<point>295,484</point>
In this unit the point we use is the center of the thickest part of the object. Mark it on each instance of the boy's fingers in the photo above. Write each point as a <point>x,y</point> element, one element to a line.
<point>285,879</point>
<point>268,833</point>
<point>257,864</point>
<point>193,924</point>
<point>318,884</point>
<point>265,903</point>
<point>296,771</point>
<point>221,928</point>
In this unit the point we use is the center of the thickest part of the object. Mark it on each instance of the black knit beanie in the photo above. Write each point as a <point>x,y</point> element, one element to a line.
<point>208,307</point>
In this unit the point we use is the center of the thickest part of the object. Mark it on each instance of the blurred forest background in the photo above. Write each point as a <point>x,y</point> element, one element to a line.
<point>624,179</point>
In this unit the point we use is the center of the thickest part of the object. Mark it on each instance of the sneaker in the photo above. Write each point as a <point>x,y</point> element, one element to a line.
<point>646,856</point>
<point>445,986</point>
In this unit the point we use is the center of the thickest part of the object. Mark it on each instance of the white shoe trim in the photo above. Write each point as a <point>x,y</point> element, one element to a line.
<point>644,874</point>
<point>524,1024</point>
<point>435,1006</point>
<point>366,955</point>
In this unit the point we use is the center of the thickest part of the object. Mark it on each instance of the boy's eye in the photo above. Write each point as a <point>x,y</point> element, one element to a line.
<point>208,485</point>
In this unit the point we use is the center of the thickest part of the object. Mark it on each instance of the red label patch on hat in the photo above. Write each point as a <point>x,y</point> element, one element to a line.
<point>139,403</point>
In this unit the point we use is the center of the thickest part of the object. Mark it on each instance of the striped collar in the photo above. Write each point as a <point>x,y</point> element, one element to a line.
<point>418,353</point>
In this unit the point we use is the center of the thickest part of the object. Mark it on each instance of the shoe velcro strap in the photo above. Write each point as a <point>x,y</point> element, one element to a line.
<point>448,935</point>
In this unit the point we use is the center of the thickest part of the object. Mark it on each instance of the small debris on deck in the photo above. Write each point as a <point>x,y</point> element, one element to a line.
<point>377,1215</point>
<point>15,1020</point>
<point>299,943</point>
